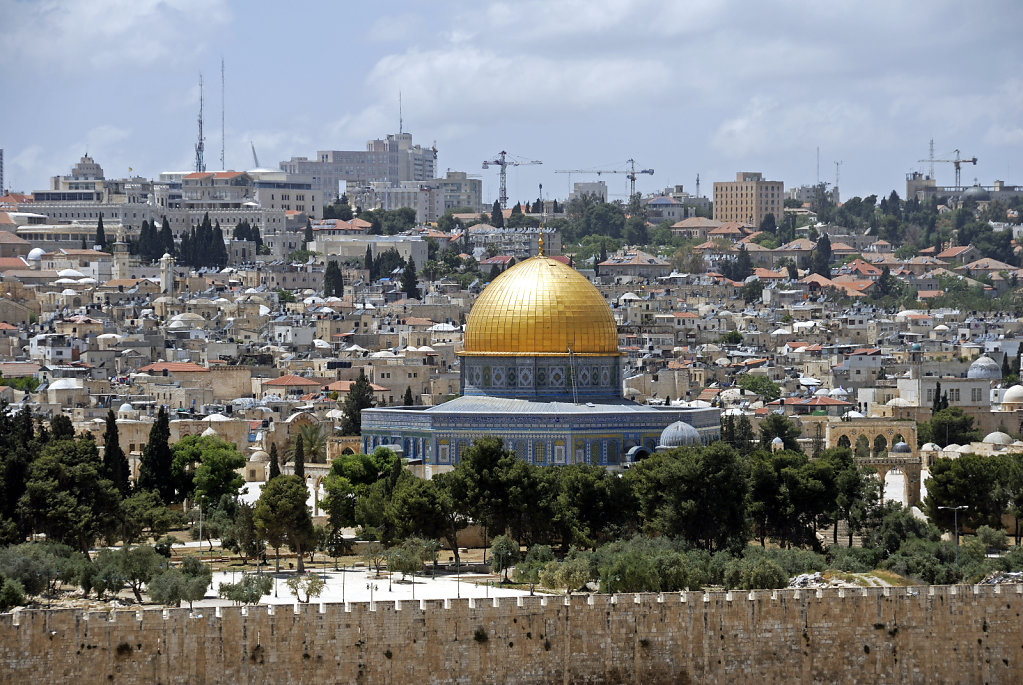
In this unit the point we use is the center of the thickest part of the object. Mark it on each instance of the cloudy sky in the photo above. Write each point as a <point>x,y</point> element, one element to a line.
<point>704,87</point>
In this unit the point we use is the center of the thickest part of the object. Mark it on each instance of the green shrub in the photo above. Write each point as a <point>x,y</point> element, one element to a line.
<point>854,559</point>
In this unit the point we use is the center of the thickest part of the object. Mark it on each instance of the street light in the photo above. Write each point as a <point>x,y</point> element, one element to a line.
<point>371,587</point>
<point>955,524</point>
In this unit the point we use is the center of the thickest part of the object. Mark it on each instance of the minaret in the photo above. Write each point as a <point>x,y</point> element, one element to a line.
<point>167,274</point>
<point>120,256</point>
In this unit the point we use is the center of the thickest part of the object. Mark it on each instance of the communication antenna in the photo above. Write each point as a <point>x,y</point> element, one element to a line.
<point>818,165</point>
<point>698,185</point>
<point>401,121</point>
<point>223,106</point>
<point>931,157</point>
<point>837,165</point>
<point>200,145</point>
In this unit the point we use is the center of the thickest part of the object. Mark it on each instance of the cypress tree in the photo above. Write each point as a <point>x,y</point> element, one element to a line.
<point>359,397</point>
<point>166,237</point>
<point>275,462</point>
<point>497,216</point>
<point>101,235</point>
<point>115,464</point>
<point>368,261</point>
<point>308,238</point>
<point>155,464</point>
<point>299,458</point>
<point>408,397</point>
<point>409,284</point>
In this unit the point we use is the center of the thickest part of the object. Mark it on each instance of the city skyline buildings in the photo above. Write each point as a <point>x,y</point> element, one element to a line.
<point>709,88</point>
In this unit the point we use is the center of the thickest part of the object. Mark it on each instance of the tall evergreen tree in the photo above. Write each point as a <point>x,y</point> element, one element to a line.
<point>936,403</point>
<point>408,397</point>
<point>155,464</point>
<point>497,216</point>
<point>367,262</point>
<point>820,260</point>
<point>115,464</point>
<point>409,283</point>
<point>275,462</point>
<point>167,238</point>
<point>308,237</point>
<point>359,397</point>
<point>333,281</point>
<point>101,235</point>
<point>299,457</point>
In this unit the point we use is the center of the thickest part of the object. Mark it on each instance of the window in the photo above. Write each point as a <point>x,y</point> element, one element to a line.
<point>538,453</point>
<point>930,394</point>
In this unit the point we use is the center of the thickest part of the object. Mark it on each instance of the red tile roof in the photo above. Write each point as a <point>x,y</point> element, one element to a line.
<point>173,367</point>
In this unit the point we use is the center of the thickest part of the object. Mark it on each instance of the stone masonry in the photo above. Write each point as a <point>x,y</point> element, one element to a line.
<point>890,635</point>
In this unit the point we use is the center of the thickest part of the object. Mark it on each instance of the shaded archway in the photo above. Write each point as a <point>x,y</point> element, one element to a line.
<point>862,449</point>
<point>880,446</point>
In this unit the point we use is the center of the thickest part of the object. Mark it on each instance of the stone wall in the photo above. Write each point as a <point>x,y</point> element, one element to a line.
<point>947,634</point>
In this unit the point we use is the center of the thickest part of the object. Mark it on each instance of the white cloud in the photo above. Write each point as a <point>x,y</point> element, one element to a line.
<point>80,37</point>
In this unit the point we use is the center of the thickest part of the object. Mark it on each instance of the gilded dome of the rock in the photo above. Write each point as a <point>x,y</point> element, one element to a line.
<point>540,307</point>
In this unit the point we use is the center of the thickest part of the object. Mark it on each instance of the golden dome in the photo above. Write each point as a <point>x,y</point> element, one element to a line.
<point>540,307</point>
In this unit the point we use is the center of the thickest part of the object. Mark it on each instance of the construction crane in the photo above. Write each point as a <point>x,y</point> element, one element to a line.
<point>958,162</point>
<point>630,173</point>
<point>504,163</point>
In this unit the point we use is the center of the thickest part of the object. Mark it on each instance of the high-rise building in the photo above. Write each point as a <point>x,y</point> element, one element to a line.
<point>391,160</point>
<point>748,199</point>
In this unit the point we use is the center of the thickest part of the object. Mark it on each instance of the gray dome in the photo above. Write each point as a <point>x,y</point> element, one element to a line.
<point>901,448</point>
<point>998,438</point>
<point>975,192</point>
<point>985,368</point>
<point>679,434</point>
<point>777,441</point>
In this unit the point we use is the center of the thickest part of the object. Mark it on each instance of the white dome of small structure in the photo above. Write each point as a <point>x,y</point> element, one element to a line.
<point>259,455</point>
<point>208,432</point>
<point>66,384</point>
<point>997,438</point>
<point>679,434</point>
<point>126,408</point>
<point>1013,395</point>
<point>929,447</point>
<point>898,402</point>
<point>985,368</point>
<point>70,273</point>
<point>35,254</point>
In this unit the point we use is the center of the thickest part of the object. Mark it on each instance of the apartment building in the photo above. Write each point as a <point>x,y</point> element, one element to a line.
<point>749,198</point>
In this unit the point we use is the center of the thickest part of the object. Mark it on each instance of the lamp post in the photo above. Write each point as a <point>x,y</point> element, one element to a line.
<point>955,524</point>
<point>371,587</point>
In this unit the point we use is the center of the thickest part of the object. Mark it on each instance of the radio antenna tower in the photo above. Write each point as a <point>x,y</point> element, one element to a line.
<point>200,145</point>
<point>223,106</point>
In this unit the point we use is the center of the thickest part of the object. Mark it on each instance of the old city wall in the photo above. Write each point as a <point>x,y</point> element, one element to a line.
<point>948,634</point>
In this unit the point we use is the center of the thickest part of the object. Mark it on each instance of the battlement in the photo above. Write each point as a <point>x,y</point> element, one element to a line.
<point>829,635</point>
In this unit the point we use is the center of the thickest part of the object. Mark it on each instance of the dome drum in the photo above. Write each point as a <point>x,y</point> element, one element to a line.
<point>562,377</point>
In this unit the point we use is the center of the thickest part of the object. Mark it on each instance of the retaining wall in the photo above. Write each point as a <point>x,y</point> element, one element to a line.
<point>922,634</point>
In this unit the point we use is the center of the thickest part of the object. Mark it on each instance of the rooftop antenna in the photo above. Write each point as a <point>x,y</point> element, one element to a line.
<point>818,165</point>
<point>697,185</point>
<point>223,105</point>
<point>200,165</point>
<point>401,121</point>
<point>837,165</point>
<point>931,157</point>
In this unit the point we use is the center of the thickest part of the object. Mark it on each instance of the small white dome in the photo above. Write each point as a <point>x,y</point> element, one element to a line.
<point>36,254</point>
<point>126,408</point>
<point>70,273</point>
<point>208,432</point>
<point>1013,395</point>
<point>929,447</point>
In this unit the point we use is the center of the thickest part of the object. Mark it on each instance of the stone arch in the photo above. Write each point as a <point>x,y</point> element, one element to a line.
<point>880,445</point>
<point>843,441</point>
<point>316,495</point>
<point>348,450</point>
<point>862,447</point>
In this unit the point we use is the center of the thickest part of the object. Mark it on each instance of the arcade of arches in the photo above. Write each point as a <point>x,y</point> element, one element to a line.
<point>872,441</point>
